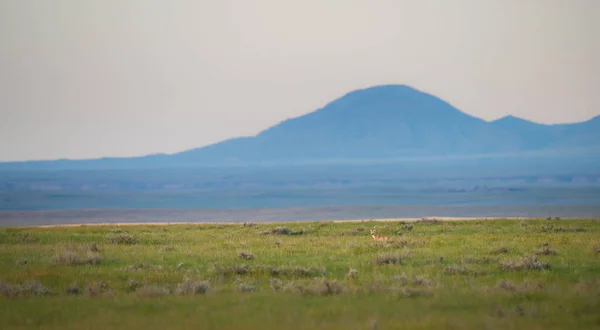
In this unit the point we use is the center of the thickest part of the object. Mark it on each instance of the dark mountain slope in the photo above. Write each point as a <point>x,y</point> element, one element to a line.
<point>382,121</point>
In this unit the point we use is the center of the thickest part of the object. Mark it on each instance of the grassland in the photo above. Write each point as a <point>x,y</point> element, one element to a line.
<point>488,274</point>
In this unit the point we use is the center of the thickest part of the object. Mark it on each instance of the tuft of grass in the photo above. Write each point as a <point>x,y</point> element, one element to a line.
<point>246,255</point>
<point>388,259</point>
<point>426,221</point>
<point>275,284</point>
<point>321,287</point>
<point>28,288</point>
<point>293,271</point>
<point>132,285</point>
<point>546,250</point>
<point>73,289</point>
<point>529,263</point>
<point>421,281</point>
<point>551,228</point>
<point>98,288</point>
<point>142,266</point>
<point>246,288</point>
<point>355,231</point>
<point>402,278</point>
<point>72,258</point>
<point>408,227</point>
<point>121,238</point>
<point>283,231</point>
<point>192,286</point>
<point>352,274</point>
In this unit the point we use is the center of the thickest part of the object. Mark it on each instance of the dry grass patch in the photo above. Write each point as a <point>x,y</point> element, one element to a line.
<point>283,231</point>
<point>121,238</point>
<point>528,263</point>
<point>191,286</point>
<point>99,288</point>
<point>352,274</point>
<point>388,259</point>
<point>28,288</point>
<point>246,255</point>
<point>292,271</point>
<point>73,258</point>
<point>321,287</point>
<point>546,250</point>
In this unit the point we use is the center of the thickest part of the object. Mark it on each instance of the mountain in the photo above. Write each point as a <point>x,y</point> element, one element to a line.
<point>376,123</point>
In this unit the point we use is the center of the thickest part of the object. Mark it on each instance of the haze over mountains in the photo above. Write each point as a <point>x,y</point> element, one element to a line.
<point>388,122</point>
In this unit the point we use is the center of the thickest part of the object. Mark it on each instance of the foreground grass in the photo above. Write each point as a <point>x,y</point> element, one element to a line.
<point>533,274</point>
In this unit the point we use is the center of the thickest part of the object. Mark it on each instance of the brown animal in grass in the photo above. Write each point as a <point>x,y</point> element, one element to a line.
<point>378,237</point>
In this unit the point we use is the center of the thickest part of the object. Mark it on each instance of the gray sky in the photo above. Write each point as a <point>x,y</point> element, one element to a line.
<point>82,79</point>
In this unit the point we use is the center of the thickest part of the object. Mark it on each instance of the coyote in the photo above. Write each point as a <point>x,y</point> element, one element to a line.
<point>378,237</point>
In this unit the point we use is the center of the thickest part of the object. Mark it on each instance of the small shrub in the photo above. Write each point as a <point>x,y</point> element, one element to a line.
<point>352,274</point>
<point>275,284</point>
<point>455,269</point>
<point>295,271</point>
<point>121,238</point>
<point>403,279</point>
<point>401,243</point>
<point>546,250</point>
<point>245,288</point>
<point>483,260</point>
<point>93,247</point>
<point>191,286</point>
<point>529,263</point>
<point>387,259</point>
<point>97,288</point>
<point>283,231</point>
<point>28,288</point>
<point>426,221</point>
<point>73,289</point>
<point>246,255</point>
<point>322,287</point>
<point>407,227</point>
<point>421,280</point>
<point>551,228</point>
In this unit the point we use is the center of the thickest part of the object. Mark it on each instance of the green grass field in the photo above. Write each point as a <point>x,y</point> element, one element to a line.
<point>488,274</point>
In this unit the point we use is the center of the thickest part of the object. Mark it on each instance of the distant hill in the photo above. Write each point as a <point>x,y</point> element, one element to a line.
<point>377,123</point>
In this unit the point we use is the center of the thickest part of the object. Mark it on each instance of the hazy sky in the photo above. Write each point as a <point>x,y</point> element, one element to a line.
<point>82,79</point>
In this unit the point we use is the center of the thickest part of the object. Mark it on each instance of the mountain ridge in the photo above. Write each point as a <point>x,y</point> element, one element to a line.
<point>378,122</point>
